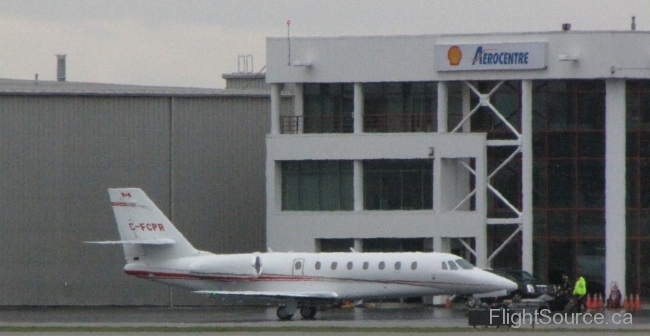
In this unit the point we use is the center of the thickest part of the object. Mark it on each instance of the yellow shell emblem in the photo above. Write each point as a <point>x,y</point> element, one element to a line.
<point>454,55</point>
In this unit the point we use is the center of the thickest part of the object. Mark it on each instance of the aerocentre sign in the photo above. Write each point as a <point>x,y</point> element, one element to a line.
<point>484,56</point>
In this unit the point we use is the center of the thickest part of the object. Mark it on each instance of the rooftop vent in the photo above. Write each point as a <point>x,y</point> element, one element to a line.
<point>60,68</point>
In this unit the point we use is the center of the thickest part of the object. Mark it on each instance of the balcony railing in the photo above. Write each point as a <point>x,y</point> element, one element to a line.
<point>316,124</point>
<point>388,123</point>
<point>377,123</point>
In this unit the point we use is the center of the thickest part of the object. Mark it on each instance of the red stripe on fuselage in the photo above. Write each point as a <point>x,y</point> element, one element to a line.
<point>270,277</point>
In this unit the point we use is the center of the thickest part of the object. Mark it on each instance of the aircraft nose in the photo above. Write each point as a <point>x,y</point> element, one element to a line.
<point>504,283</point>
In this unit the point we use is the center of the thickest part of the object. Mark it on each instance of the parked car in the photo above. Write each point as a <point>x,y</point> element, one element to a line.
<point>529,286</point>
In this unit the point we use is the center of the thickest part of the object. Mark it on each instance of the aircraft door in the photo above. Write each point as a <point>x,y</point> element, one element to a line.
<point>298,267</point>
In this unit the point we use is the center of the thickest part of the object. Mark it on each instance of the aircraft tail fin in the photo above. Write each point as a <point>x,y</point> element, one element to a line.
<point>145,231</point>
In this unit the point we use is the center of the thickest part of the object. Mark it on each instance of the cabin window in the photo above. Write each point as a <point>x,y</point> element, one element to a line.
<point>464,264</point>
<point>298,265</point>
<point>414,265</point>
<point>349,265</point>
<point>317,266</point>
<point>382,265</point>
<point>452,265</point>
<point>334,264</point>
<point>365,265</point>
<point>444,265</point>
<point>398,265</point>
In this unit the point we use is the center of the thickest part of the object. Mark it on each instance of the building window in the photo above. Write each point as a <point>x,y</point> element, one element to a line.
<point>398,184</point>
<point>317,185</point>
<point>400,107</point>
<point>328,108</point>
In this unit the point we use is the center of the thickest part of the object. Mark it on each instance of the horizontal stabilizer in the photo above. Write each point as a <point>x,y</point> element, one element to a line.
<point>157,241</point>
<point>273,295</point>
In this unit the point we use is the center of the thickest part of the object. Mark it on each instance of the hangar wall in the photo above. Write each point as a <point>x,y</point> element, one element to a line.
<point>200,158</point>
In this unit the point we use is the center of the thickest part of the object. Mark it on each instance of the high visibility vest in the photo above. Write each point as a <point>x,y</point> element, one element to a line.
<point>580,287</point>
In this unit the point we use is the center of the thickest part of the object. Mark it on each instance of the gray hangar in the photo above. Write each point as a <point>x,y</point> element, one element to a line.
<point>198,153</point>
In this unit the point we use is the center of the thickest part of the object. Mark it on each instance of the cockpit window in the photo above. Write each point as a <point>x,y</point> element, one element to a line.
<point>452,265</point>
<point>444,265</point>
<point>464,264</point>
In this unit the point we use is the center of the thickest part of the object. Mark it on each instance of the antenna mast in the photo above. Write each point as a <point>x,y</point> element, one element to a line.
<point>289,41</point>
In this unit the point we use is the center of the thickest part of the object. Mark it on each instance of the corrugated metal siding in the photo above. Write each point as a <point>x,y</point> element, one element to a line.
<point>59,154</point>
<point>219,175</point>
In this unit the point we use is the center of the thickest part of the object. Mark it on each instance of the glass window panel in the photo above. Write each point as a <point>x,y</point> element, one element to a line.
<point>334,264</point>
<point>644,223</point>
<point>561,223</point>
<point>452,265</point>
<point>591,183</point>
<point>309,186</point>
<point>365,265</point>
<point>632,223</point>
<point>561,183</point>
<point>632,144</point>
<point>632,120</point>
<point>591,224</point>
<point>591,144</point>
<point>561,144</point>
<point>644,183</point>
<point>591,263</point>
<point>539,145</point>
<point>540,178</point>
<point>539,223</point>
<point>381,265</point>
<point>317,266</point>
<point>562,256</point>
<point>644,144</point>
<point>398,265</point>
<point>349,265</point>
<point>330,186</point>
<point>372,188</point>
<point>560,112</point>
<point>414,265</point>
<point>336,245</point>
<point>444,265</point>
<point>591,111</point>
<point>632,183</point>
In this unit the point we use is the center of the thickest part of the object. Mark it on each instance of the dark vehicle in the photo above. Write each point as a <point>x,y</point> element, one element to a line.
<point>529,287</point>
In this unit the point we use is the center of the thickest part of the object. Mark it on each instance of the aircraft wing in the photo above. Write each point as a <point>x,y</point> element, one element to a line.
<point>272,295</point>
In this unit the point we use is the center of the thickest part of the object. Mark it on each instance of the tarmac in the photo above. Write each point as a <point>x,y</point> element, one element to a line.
<point>260,321</point>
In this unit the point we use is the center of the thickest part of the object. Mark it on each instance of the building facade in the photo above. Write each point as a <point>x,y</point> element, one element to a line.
<point>198,153</point>
<point>515,150</point>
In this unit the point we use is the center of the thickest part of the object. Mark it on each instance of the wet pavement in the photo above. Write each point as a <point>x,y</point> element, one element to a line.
<point>263,317</point>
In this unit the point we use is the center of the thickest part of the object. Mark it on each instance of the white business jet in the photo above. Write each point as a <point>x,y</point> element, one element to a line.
<point>155,250</point>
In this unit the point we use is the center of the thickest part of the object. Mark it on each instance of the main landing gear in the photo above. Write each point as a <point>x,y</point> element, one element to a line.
<point>286,312</point>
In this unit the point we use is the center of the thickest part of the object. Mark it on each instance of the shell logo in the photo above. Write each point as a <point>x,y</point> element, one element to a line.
<point>454,55</point>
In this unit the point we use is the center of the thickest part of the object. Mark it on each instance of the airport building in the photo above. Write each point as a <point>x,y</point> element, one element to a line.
<point>198,153</point>
<point>527,150</point>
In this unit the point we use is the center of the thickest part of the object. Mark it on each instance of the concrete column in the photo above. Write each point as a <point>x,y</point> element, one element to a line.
<point>276,101</point>
<point>299,106</point>
<point>481,209</point>
<point>527,174</point>
<point>615,183</point>
<point>357,182</point>
<point>358,108</point>
<point>443,111</point>
<point>358,244</point>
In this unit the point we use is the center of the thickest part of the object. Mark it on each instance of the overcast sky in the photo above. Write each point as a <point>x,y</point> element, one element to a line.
<point>193,42</point>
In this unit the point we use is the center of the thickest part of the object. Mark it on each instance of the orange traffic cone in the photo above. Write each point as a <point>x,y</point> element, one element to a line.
<point>637,302</point>
<point>601,305</point>
<point>447,303</point>
<point>625,305</point>
<point>630,302</point>
<point>597,301</point>
<point>589,303</point>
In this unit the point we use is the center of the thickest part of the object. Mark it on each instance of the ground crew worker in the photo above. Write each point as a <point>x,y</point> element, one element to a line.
<point>579,291</point>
